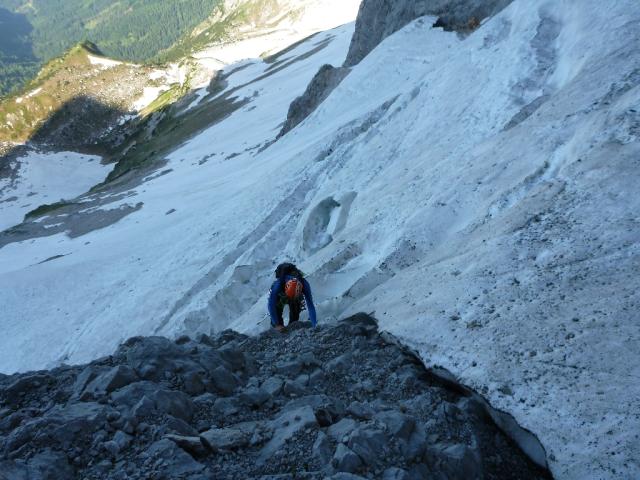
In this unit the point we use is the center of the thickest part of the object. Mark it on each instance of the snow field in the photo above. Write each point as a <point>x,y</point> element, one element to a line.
<point>44,178</point>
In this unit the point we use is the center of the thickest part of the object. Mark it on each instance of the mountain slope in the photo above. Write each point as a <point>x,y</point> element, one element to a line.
<point>86,91</point>
<point>477,191</point>
<point>230,411</point>
<point>129,30</point>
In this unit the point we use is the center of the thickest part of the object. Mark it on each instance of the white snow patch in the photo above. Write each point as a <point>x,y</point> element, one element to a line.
<point>148,96</point>
<point>103,62</point>
<point>35,92</point>
<point>43,178</point>
<point>311,17</point>
<point>157,75</point>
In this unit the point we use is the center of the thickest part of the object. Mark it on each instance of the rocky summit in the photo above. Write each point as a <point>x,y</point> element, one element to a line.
<point>339,401</point>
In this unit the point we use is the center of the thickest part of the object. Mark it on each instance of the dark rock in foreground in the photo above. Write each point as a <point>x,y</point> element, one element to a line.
<point>332,402</point>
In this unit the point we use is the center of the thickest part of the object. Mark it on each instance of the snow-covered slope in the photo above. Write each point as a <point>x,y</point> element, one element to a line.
<point>34,179</point>
<point>478,193</point>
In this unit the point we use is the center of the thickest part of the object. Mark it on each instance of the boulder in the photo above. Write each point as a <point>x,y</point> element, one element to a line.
<point>130,395</point>
<point>415,447</point>
<point>227,406</point>
<point>395,473</point>
<point>143,408</point>
<point>345,460</point>
<point>194,383</point>
<point>13,470</point>
<point>66,425</point>
<point>223,381</point>
<point>273,385</point>
<point>369,444</point>
<point>122,439</point>
<point>286,426</point>
<point>316,378</point>
<point>254,397</point>
<point>180,426</point>
<point>173,461</point>
<point>234,356</point>
<point>174,403</point>
<point>107,382</point>
<point>398,424</point>
<point>192,444</point>
<point>206,400</point>
<point>230,438</point>
<point>341,364</point>
<point>458,461</point>
<point>290,369</point>
<point>322,448</point>
<point>339,431</point>
<point>82,380</point>
<point>361,410</point>
<point>157,358</point>
<point>24,385</point>
<point>293,389</point>
<point>49,465</point>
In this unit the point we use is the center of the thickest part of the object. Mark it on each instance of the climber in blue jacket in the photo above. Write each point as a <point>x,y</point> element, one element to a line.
<point>290,288</point>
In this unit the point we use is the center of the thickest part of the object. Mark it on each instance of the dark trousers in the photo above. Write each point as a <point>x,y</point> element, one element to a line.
<point>295,307</point>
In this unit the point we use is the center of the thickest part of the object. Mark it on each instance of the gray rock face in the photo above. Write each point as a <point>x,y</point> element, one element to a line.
<point>377,19</point>
<point>322,84</point>
<point>141,414</point>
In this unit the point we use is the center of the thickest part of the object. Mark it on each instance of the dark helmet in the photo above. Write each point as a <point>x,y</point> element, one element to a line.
<point>287,269</point>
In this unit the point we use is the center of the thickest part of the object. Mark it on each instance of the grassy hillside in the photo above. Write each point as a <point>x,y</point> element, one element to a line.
<point>68,91</point>
<point>34,31</point>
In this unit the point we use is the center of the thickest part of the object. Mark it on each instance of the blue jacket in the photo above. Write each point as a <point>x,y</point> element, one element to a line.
<point>276,290</point>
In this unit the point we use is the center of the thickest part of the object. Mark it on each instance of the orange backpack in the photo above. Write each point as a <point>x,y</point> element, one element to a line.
<point>293,288</point>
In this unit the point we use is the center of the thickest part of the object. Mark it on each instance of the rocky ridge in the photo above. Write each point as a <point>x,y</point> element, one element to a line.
<point>332,402</point>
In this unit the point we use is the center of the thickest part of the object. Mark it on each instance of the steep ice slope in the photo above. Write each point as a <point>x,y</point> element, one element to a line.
<point>495,223</point>
<point>478,193</point>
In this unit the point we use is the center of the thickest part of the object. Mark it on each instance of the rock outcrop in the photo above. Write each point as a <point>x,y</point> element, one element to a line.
<point>322,84</point>
<point>377,19</point>
<point>331,402</point>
